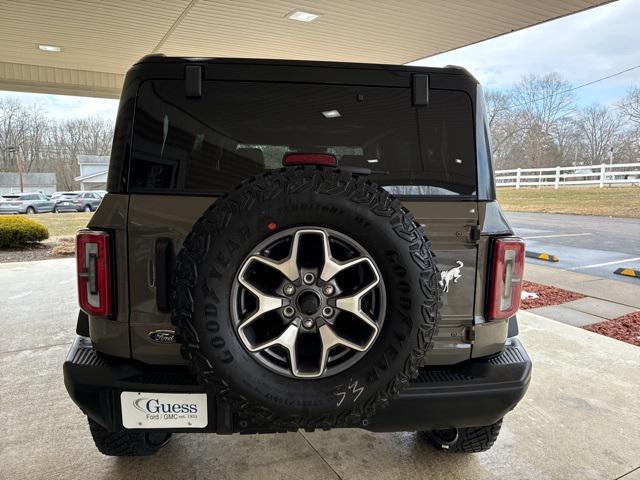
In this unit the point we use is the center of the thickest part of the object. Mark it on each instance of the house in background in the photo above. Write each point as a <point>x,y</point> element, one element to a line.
<point>93,172</point>
<point>31,182</point>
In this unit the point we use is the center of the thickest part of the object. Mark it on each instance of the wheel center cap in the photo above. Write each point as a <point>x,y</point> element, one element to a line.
<point>309,302</point>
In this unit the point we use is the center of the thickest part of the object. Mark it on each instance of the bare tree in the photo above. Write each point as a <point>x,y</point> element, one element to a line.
<point>504,126</point>
<point>566,136</point>
<point>544,99</point>
<point>630,105</point>
<point>46,144</point>
<point>599,127</point>
<point>541,102</point>
<point>68,139</point>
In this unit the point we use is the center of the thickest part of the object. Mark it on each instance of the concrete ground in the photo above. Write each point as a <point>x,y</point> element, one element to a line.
<point>587,244</point>
<point>579,420</point>
<point>605,299</point>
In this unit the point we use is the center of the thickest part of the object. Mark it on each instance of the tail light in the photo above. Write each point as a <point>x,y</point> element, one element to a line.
<point>507,270</point>
<point>93,256</point>
<point>291,159</point>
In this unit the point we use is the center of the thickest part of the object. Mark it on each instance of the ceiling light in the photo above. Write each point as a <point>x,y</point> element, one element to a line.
<point>301,16</point>
<point>331,114</point>
<point>49,48</point>
<point>373,160</point>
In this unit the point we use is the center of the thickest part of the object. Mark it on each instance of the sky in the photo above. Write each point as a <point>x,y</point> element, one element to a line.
<point>580,47</point>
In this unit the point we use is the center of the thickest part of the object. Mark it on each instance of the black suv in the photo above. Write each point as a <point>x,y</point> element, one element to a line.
<point>289,245</point>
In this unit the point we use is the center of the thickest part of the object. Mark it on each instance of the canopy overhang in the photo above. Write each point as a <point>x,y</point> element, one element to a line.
<point>100,40</point>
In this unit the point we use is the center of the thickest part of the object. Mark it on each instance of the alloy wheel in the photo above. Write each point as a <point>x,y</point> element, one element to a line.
<point>308,302</point>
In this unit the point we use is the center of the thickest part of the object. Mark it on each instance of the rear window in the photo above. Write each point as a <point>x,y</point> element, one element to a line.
<point>238,129</point>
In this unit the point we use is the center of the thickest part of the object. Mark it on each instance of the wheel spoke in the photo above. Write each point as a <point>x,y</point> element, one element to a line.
<point>286,339</point>
<point>289,266</point>
<point>332,267</point>
<point>266,303</point>
<point>352,304</point>
<point>331,339</point>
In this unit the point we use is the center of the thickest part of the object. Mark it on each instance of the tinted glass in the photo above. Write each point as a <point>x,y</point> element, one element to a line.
<point>238,129</point>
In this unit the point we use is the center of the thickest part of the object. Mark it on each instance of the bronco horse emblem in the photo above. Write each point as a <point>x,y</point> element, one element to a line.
<point>447,275</point>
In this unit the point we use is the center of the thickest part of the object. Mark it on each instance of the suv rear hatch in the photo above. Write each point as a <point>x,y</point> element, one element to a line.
<point>191,145</point>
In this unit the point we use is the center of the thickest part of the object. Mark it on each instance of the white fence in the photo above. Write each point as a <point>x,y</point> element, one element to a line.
<point>601,175</point>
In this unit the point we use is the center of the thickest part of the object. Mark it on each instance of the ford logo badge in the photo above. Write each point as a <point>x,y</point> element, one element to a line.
<point>162,336</point>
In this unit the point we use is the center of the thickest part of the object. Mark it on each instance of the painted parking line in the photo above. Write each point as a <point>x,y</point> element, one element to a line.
<point>559,235</point>
<point>596,265</point>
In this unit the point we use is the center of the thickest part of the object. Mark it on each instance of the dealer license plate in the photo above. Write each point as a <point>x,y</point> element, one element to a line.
<point>163,410</point>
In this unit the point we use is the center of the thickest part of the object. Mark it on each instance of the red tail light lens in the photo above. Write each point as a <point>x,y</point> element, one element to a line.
<point>93,257</point>
<point>506,278</point>
<point>291,159</point>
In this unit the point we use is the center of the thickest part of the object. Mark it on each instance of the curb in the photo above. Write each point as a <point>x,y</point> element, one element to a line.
<point>628,272</point>
<point>547,257</point>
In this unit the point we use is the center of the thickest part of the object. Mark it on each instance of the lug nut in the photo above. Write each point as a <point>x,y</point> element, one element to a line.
<point>328,290</point>
<point>289,289</point>
<point>289,312</point>
<point>308,278</point>
<point>327,312</point>
<point>308,323</point>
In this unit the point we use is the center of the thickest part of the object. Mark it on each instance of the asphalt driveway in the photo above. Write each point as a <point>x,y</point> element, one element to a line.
<point>579,419</point>
<point>587,244</point>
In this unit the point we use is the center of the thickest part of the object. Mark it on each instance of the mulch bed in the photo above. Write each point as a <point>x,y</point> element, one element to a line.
<point>546,295</point>
<point>625,328</point>
<point>37,251</point>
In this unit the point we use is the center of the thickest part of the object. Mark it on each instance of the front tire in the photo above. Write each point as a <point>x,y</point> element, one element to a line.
<point>465,440</point>
<point>127,444</point>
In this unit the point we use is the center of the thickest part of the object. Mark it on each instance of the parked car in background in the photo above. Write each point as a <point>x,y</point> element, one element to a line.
<point>56,195</point>
<point>25,203</point>
<point>77,202</point>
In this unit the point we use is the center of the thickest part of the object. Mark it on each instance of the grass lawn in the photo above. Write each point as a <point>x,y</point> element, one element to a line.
<point>608,201</point>
<point>60,224</point>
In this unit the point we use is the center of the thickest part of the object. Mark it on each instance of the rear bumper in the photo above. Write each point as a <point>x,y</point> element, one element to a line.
<point>11,211</point>
<point>475,393</point>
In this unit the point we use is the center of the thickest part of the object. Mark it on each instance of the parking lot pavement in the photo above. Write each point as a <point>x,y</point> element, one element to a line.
<point>588,244</point>
<point>579,419</point>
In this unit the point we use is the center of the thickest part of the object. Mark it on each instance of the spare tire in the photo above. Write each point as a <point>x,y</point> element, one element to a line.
<point>306,297</point>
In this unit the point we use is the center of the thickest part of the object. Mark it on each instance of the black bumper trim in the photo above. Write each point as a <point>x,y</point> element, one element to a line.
<point>474,393</point>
